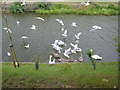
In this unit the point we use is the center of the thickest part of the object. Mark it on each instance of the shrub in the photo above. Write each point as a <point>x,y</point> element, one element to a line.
<point>43,6</point>
<point>18,8</point>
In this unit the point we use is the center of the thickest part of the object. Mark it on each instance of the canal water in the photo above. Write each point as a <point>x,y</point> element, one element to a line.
<point>40,40</point>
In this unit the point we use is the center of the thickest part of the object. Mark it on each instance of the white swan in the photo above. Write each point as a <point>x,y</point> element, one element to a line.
<point>33,27</point>
<point>96,57</point>
<point>27,46</point>
<point>65,33</point>
<point>39,18</point>
<point>8,54</point>
<point>74,24</point>
<point>24,37</point>
<point>50,60</point>
<point>77,36</point>
<point>67,53</point>
<point>60,21</point>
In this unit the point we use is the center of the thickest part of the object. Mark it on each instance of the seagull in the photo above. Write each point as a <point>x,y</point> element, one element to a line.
<point>9,31</point>
<point>65,33</point>
<point>67,53</point>
<point>33,27</point>
<point>56,47</point>
<point>74,24</point>
<point>59,42</point>
<point>17,22</point>
<point>62,29</point>
<point>8,54</point>
<point>60,21</point>
<point>96,57</point>
<point>76,49</point>
<point>87,3</point>
<point>27,46</point>
<point>24,37</point>
<point>39,18</point>
<point>5,28</point>
<point>51,62</point>
<point>95,27</point>
<point>23,3</point>
<point>77,36</point>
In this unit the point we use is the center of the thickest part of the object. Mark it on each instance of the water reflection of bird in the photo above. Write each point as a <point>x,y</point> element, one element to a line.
<point>65,33</point>
<point>33,27</point>
<point>50,60</point>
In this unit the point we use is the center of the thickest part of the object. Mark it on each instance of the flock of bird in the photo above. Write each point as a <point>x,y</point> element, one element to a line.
<point>59,44</point>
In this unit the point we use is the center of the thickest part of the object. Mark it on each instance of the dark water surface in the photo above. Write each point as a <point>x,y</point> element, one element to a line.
<point>101,41</point>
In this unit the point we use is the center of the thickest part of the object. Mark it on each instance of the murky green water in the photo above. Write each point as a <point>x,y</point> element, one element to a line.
<point>101,41</point>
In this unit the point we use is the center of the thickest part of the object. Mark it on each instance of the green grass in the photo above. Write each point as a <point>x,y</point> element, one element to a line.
<point>93,9</point>
<point>80,75</point>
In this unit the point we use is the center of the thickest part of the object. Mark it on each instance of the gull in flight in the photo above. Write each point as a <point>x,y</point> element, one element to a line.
<point>60,21</point>
<point>17,22</point>
<point>8,54</point>
<point>24,37</point>
<point>77,36</point>
<point>74,24</point>
<point>65,33</point>
<point>39,18</point>
<point>33,27</point>
<point>95,27</point>
<point>56,47</point>
<point>67,53</point>
<point>27,46</point>
<point>50,60</point>
<point>96,57</point>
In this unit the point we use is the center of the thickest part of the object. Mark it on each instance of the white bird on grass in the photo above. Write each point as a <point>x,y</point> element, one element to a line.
<point>50,60</point>
<point>67,53</point>
<point>24,37</point>
<point>33,27</point>
<point>56,47</point>
<point>77,36</point>
<point>17,22</point>
<point>8,54</point>
<point>60,21</point>
<point>39,18</point>
<point>65,33</point>
<point>27,46</point>
<point>74,24</point>
<point>96,57</point>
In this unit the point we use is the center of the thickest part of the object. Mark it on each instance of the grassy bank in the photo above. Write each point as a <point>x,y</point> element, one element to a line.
<point>93,9</point>
<point>80,75</point>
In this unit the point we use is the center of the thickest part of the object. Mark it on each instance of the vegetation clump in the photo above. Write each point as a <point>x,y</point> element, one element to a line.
<point>18,8</point>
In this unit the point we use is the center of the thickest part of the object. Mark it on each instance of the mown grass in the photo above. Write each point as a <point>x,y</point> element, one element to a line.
<point>93,9</point>
<point>80,75</point>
